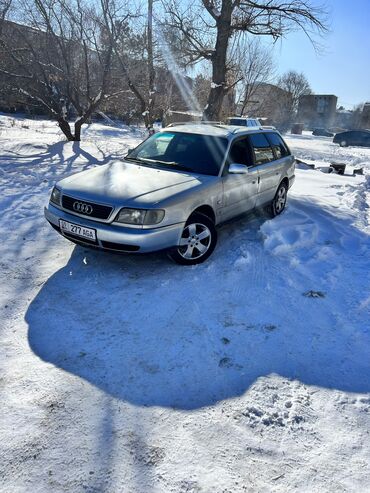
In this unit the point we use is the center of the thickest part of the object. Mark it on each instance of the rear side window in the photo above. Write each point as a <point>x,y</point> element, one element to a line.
<point>261,148</point>
<point>278,145</point>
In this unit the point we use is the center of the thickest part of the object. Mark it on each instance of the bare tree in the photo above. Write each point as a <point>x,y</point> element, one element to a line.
<point>5,6</point>
<point>151,70</point>
<point>202,85</point>
<point>61,58</point>
<point>356,119</point>
<point>256,66</point>
<point>207,26</point>
<point>297,85</point>
<point>135,57</point>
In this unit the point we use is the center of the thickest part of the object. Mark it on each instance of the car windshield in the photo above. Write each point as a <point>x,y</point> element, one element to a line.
<point>195,153</point>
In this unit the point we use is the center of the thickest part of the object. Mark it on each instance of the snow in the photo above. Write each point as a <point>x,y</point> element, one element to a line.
<point>189,113</point>
<point>133,374</point>
<point>214,85</point>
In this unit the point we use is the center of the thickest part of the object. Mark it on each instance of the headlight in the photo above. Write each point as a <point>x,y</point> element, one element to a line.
<point>140,216</point>
<point>55,196</point>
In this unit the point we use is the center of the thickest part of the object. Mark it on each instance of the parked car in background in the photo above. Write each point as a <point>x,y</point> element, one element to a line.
<point>322,132</point>
<point>353,138</point>
<point>172,191</point>
<point>243,121</point>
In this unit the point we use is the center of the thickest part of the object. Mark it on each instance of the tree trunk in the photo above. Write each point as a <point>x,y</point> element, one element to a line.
<point>65,128</point>
<point>78,125</point>
<point>245,102</point>
<point>151,70</point>
<point>218,87</point>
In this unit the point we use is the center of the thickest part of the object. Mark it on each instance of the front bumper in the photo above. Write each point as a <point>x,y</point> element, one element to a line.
<point>291,181</point>
<point>114,237</point>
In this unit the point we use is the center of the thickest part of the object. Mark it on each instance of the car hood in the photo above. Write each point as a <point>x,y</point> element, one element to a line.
<point>123,182</point>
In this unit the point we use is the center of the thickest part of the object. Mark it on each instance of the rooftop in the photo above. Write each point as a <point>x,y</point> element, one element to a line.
<point>215,129</point>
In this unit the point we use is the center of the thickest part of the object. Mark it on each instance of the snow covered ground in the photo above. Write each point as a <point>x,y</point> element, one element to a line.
<point>249,373</point>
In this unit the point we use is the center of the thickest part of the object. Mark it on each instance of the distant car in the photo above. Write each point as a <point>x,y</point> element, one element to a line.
<point>174,189</point>
<point>353,138</point>
<point>243,122</point>
<point>322,132</point>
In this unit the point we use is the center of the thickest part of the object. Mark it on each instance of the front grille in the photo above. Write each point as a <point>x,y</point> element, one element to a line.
<point>97,210</point>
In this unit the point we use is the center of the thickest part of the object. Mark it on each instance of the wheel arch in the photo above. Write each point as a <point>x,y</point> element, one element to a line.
<point>284,180</point>
<point>206,210</point>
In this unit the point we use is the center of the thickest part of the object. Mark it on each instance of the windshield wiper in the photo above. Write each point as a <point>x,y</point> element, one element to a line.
<point>169,163</point>
<point>134,159</point>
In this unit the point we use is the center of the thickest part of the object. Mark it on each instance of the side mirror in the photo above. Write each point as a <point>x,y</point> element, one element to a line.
<point>238,169</point>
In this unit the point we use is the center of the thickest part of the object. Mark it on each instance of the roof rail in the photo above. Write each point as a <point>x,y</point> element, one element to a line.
<point>200,122</point>
<point>240,129</point>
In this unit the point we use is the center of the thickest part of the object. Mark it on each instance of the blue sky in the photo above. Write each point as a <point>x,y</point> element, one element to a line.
<point>343,68</point>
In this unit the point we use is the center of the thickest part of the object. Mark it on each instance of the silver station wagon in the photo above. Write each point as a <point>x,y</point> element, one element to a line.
<point>171,191</point>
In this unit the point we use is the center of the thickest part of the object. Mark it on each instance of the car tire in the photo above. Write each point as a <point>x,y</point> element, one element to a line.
<point>278,204</point>
<point>343,143</point>
<point>198,240</point>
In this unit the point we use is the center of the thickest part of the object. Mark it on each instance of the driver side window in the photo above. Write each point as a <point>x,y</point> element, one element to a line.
<point>241,153</point>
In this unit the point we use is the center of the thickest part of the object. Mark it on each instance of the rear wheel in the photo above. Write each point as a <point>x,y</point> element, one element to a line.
<point>197,242</point>
<point>343,143</point>
<point>279,202</point>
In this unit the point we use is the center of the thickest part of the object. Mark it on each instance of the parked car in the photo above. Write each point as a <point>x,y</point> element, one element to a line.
<point>244,122</point>
<point>173,190</point>
<point>322,132</point>
<point>353,138</point>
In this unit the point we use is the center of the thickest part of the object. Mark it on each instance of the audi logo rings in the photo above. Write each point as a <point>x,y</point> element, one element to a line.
<point>82,208</point>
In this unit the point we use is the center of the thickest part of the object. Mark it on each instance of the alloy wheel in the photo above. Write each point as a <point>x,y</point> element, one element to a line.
<point>280,199</point>
<point>195,241</point>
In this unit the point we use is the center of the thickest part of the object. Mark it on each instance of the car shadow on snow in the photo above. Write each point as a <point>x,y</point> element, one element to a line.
<point>156,334</point>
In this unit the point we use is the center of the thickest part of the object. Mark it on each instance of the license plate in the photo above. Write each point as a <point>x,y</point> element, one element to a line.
<point>75,229</point>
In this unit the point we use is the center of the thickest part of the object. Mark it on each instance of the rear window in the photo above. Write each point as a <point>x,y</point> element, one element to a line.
<point>262,150</point>
<point>244,122</point>
<point>278,145</point>
<point>237,121</point>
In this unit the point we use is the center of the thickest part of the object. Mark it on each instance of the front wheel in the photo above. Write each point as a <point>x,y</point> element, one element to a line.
<point>197,242</point>
<point>343,143</point>
<point>279,202</point>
